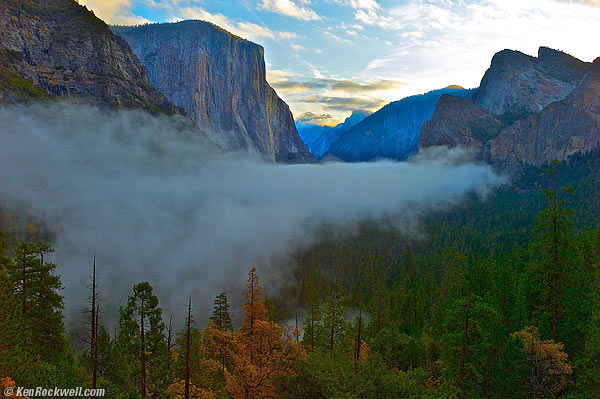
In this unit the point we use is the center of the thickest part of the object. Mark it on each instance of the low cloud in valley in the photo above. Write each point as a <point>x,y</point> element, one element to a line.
<point>159,204</point>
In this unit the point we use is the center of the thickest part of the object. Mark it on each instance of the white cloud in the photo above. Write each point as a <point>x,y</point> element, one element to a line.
<point>288,35</point>
<point>365,4</point>
<point>453,42</point>
<point>114,11</point>
<point>246,30</point>
<point>297,47</point>
<point>290,9</point>
<point>591,3</point>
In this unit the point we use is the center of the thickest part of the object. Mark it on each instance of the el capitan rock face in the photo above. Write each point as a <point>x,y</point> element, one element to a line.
<point>525,122</point>
<point>59,48</point>
<point>219,79</point>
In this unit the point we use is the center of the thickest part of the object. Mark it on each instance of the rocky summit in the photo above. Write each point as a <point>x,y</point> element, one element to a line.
<point>58,48</point>
<point>219,79</point>
<point>528,111</point>
<point>518,82</point>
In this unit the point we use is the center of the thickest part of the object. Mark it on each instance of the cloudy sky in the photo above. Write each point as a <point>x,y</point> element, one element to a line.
<point>328,57</point>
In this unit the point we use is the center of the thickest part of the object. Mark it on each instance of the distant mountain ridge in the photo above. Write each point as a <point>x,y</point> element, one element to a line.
<point>528,111</point>
<point>393,131</point>
<point>318,138</point>
<point>220,80</point>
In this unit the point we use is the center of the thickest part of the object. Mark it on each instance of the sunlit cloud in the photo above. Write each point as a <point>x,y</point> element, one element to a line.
<point>116,12</point>
<point>591,3</point>
<point>290,9</point>
<point>315,119</point>
<point>344,104</point>
<point>284,83</point>
<point>246,30</point>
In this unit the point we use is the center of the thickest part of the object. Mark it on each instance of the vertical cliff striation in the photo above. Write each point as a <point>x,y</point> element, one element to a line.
<point>219,79</point>
<point>59,48</point>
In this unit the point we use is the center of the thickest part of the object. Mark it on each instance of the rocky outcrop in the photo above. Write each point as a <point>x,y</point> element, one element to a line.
<point>59,48</point>
<point>318,139</point>
<point>393,131</point>
<point>558,131</point>
<point>516,82</point>
<point>516,137</point>
<point>460,122</point>
<point>219,79</point>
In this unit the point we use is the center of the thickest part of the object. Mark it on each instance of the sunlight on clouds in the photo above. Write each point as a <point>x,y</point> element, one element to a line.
<point>114,11</point>
<point>591,3</point>
<point>333,97</point>
<point>290,9</point>
<point>246,30</point>
<point>316,119</point>
<point>443,43</point>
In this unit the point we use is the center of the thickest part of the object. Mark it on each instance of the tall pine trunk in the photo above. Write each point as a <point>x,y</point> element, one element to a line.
<point>143,349</point>
<point>187,351</point>
<point>94,330</point>
<point>463,350</point>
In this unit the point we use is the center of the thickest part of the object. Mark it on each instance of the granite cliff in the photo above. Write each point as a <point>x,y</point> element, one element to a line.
<point>560,130</point>
<point>516,82</point>
<point>57,48</point>
<point>528,111</point>
<point>219,79</point>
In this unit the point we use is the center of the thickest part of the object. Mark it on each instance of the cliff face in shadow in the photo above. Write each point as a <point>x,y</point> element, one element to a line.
<point>219,79</point>
<point>393,131</point>
<point>57,48</point>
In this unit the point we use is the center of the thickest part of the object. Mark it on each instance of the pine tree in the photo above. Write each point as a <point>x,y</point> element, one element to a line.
<point>141,339</point>
<point>552,246</point>
<point>8,330</point>
<point>38,304</point>
<point>254,307</point>
<point>221,317</point>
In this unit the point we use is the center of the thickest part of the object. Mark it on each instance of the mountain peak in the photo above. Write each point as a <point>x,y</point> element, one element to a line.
<point>522,83</point>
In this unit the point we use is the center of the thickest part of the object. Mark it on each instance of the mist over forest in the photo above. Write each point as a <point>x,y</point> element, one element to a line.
<point>160,204</point>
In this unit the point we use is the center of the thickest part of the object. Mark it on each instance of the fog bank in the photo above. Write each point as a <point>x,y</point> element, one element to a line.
<point>158,204</point>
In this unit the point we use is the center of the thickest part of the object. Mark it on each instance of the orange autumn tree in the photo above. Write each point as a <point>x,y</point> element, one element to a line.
<point>259,351</point>
<point>8,389</point>
<point>549,364</point>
